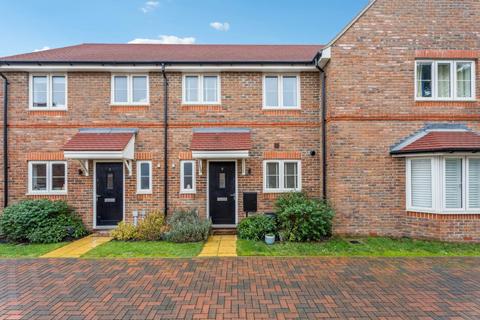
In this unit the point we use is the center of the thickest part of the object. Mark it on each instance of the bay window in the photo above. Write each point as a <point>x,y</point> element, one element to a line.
<point>201,89</point>
<point>281,175</point>
<point>130,89</point>
<point>281,91</point>
<point>445,80</point>
<point>47,177</point>
<point>443,184</point>
<point>48,92</point>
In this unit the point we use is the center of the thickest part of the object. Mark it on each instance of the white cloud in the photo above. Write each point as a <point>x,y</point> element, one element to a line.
<point>149,6</point>
<point>42,49</point>
<point>165,39</point>
<point>225,26</point>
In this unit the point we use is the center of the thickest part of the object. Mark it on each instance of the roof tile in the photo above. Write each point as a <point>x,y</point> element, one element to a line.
<point>83,141</point>
<point>221,141</point>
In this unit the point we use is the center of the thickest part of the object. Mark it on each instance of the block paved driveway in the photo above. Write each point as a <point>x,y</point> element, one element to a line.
<point>231,288</point>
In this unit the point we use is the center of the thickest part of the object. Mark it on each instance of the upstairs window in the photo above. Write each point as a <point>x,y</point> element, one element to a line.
<point>445,80</point>
<point>201,89</point>
<point>47,177</point>
<point>281,175</point>
<point>281,91</point>
<point>48,91</point>
<point>130,89</point>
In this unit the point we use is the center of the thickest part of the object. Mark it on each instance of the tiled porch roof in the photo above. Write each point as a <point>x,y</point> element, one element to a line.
<point>98,140</point>
<point>451,139</point>
<point>221,139</point>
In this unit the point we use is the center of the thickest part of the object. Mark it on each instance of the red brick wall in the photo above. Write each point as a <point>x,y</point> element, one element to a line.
<point>89,106</point>
<point>371,106</point>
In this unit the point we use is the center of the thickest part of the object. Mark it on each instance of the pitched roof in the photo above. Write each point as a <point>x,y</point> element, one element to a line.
<point>96,141</point>
<point>172,53</point>
<point>438,140</point>
<point>221,140</point>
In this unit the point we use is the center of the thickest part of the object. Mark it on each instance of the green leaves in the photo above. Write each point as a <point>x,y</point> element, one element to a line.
<point>187,226</point>
<point>303,219</point>
<point>40,221</point>
<point>256,227</point>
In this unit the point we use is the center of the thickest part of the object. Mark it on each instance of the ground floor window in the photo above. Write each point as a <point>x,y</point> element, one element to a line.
<point>282,175</point>
<point>144,177</point>
<point>187,176</point>
<point>447,184</point>
<point>47,177</point>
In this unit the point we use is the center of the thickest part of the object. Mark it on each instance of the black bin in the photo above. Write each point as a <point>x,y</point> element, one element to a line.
<point>250,201</point>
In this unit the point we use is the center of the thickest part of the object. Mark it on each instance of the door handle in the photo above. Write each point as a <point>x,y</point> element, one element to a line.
<point>232,195</point>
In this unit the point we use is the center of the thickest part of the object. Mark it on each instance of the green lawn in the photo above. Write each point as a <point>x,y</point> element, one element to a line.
<point>368,247</point>
<point>13,250</point>
<point>145,249</point>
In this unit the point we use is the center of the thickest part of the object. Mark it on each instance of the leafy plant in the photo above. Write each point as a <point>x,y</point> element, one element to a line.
<point>124,232</point>
<point>303,219</point>
<point>256,227</point>
<point>187,226</point>
<point>41,221</point>
<point>152,227</point>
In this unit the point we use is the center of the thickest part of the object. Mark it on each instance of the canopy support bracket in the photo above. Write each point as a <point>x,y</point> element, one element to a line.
<point>84,164</point>
<point>128,165</point>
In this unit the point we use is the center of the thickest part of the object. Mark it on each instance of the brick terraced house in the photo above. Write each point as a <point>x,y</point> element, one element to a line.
<point>384,121</point>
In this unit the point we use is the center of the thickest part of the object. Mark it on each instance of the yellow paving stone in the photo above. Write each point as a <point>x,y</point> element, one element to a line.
<point>220,246</point>
<point>77,248</point>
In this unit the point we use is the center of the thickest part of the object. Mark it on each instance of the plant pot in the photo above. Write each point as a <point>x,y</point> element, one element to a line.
<point>269,239</point>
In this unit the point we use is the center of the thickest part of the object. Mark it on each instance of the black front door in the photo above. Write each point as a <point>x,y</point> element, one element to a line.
<point>221,189</point>
<point>109,195</point>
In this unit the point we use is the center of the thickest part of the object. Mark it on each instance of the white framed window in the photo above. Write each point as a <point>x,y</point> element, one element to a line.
<point>187,176</point>
<point>444,80</point>
<point>281,91</point>
<point>48,91</point>
<point>144,177</point>
<point>201,89</point>
<point>130,89</point>
<point>282,175</point>
<point>443,184</point>
<point>47,177</point>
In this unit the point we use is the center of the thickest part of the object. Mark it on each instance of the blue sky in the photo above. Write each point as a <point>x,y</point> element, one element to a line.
<point>28,25</point>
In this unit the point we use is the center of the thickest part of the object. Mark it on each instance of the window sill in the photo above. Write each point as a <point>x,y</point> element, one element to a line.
<point>440,212</point>
<point>443,216</point>
<point>281,191</point>
<point>201,107</point>
<point>143,193</point>
<point>46,194</point>
<point>187,192</point>
<point>445,103</point>
<point>128,108</point>
<point>282,108</point>
<point>47,109</point>
<point>184,103</point>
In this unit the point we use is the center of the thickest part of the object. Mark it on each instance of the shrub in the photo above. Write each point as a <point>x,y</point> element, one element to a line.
<point>41,221</point>
<point>187,226</point>
<point>124,232</point>
<point>256,227</point>
<point>303,219</point>
<point>152,227</point>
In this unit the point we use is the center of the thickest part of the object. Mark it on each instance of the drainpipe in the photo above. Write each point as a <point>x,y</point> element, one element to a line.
<point>5,140</point>
<point>324,130</point>
<point>165,140</point>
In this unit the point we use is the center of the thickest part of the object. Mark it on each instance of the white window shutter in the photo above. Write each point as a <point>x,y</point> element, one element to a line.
<point>421,183</point>
<point>474,183</point>
<point>453,183</point>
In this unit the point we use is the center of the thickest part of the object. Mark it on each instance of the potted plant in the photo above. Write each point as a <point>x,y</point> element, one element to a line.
<point>269,238</point>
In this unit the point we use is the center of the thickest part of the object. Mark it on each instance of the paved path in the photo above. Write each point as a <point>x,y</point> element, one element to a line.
<point>257,288</point>
<point>77,248</point>
<point>220,246</point>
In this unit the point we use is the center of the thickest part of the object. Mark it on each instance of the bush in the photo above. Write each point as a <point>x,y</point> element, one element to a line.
<point>41,221</point>
<point>303,219</point>
<point>124,232</point>
<point>256,227</point>
<point>152,227</point>
<point>187,226</point>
